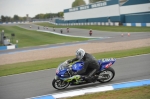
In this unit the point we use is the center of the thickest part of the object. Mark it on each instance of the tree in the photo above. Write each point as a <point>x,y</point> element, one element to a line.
<point>8,19</point>
<point>24,18</point>
<point>47,15</point>
<point>93,1</point>
<point>3,19</point>
<point>78,3</point>
<point>16,18</point>
<point>20,18</point>
<point>60,14</point>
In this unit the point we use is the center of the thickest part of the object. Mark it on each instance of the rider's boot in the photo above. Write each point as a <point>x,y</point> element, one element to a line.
<point>94,78</point>
<point>91,79</point>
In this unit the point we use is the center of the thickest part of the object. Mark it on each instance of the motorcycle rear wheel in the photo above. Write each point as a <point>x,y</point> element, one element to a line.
<point>110,73</point>
<point>60,84</point>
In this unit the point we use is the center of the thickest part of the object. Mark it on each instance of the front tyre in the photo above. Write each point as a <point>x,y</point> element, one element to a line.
<point>107,75</point>
<point>60,84</point>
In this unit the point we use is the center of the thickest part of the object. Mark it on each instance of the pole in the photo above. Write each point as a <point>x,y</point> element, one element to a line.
<point>2,37</point>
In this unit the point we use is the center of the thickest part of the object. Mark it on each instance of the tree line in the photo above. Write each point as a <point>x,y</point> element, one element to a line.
<point>12,19</point>
<point>82,2</point>
<point>49,15</point>
<point>16,18</point>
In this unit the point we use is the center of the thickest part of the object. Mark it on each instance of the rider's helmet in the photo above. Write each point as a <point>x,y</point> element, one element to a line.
<point>80,54</point>
<point>90,29</point>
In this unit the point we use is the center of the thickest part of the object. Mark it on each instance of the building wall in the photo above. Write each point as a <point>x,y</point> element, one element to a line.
<point>138,8</point>
<point>138,18</point>
<point>123,11</point>
<point>135,11</point>
<point>101,12</point>
<point>135,2</point>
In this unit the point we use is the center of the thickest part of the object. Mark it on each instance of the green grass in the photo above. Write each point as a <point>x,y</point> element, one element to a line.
<point>103,28</point>
<point>128,93</point>
<point>34,38</point>
<point>53,63</point>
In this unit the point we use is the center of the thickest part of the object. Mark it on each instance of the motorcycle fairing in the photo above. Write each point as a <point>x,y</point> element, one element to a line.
<point>77,66</point>
<point>106,63</point>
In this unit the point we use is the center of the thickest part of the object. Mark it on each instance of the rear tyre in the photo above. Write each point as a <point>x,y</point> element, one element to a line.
<point>60,84</point>
<point>107,75</point>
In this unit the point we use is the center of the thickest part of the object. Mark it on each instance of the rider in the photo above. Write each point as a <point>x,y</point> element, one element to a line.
<point>53,29</point>
<point>90,65</point>
<point>90,32</point>
<point>67,29</point>
<point>61,30</point>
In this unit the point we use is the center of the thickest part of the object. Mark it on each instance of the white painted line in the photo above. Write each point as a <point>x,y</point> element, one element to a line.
<point>64,34</point>
<point>71,35</point>
<point>98,89</point>
<point>69,94</point>
<point>133,56</point>
<point>57,46</point>
<point>27,72</point>
<point>108,85</point>
<point>84,91</point>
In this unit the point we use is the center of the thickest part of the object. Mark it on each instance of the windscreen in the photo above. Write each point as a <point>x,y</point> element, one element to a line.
<point>61,67</point>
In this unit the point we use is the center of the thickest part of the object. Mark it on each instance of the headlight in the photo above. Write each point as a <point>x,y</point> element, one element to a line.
<point>57,71</point>
<point>56,77</point>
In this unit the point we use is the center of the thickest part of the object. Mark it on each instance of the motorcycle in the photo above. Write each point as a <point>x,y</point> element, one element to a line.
<point>67,30</point>
<point>61,31</point>
<point>90,33</point>
<point>64,73</point>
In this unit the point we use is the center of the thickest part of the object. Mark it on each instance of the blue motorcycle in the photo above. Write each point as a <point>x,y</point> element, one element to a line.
<point>64,73</point>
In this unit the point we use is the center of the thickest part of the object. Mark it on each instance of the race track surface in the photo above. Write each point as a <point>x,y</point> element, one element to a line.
<point>114,37</point>
<point>79,32</point>
<point>38,83</point>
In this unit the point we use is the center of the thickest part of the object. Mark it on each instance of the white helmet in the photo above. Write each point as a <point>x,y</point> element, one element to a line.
<point>80,54</point>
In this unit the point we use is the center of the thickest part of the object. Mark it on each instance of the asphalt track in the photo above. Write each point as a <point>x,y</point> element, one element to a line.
<point>114,37</point>
<point>38,83</point>
<point>82,32</point>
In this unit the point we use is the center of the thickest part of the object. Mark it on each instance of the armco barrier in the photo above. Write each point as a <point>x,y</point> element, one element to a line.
<point>8,47</point>
<point>93,90</point>
<point>137,24</point>
<point>5,23</point>
<point>91,23</point>
<point>3,47</point>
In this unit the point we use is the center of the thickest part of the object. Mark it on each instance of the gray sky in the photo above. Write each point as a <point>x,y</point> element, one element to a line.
<point>33,7</point>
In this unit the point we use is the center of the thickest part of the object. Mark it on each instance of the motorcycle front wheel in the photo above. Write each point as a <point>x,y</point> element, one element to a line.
<point>60,84</point>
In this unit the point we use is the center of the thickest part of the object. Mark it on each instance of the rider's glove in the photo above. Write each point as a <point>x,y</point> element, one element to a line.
<point>69,61</point>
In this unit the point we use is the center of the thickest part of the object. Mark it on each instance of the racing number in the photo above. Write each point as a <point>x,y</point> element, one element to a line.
<point>107,60</point>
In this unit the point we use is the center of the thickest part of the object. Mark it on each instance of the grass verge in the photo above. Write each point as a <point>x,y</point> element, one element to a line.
<point>34,38</point>
<point>53,63</point>
<point>129,93</point>
<point>102,28</point>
